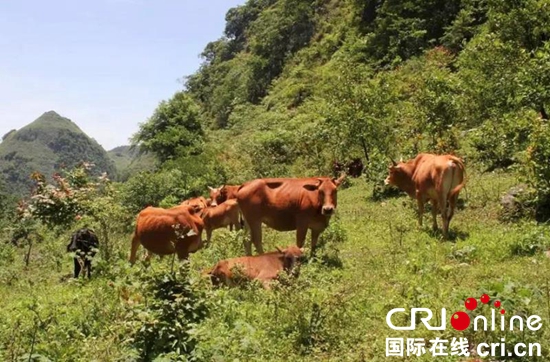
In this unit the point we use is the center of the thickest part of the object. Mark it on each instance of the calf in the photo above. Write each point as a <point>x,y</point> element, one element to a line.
<point>223,215</point>
<point>264,268</point>
<point>83,243</point>
<point>167,231</point>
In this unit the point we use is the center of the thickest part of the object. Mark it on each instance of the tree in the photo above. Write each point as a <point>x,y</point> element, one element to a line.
<point>173,129</point>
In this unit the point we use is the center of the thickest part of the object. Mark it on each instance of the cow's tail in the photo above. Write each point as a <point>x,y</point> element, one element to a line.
<point>460,169</point>
<point>135,245</point>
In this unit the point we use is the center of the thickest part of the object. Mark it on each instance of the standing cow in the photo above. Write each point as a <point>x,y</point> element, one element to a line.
<point>438,179</point>
<point>168,231</point>
<point>84,244</point>
<point>286,204</point>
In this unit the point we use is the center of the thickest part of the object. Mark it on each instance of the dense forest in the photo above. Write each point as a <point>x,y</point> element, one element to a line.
<point>290,87</point>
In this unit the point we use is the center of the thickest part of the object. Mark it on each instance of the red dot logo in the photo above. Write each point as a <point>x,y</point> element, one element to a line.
<point>497,304</point>
<point>470,303</point>
<point>502,311</point>
<point>484,299</point>
<point>460,321</point>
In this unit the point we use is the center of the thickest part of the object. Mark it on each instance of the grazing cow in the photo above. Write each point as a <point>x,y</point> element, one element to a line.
<point>168,231</point>
<point>223,215</point>
<point>221,194</point>
<point>264,268</point>
<point>438,179</point>
<point>286,204</point>
<point>83,243</point>
<point>353,168</point>
<point>198,203</point>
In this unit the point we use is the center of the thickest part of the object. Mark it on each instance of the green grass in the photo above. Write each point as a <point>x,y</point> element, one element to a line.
<point>329,313</point>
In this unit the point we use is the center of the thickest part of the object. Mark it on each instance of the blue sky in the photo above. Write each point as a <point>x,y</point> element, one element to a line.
<point>105,64</point>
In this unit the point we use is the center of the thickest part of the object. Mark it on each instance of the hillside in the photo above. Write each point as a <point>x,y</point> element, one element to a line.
<point>129,161</point>
<point>46,145</point>
<point>292,85</point>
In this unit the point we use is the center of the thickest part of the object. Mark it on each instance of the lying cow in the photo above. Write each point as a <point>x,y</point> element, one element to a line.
<point>168,231</point>
<point>286,204</point>
<point>264,268</point>
<point>221,194</point>
<point>438,179</point>
<point>84,244</point>
<point>223,215</point>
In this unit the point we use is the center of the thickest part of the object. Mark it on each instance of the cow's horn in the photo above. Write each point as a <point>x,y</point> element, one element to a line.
<point>279,249</point>
<point>393,161</point>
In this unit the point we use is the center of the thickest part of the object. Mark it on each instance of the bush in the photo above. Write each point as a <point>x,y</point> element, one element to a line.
<point>498,143</point>
<point>538,167</point>
<point>173,307</point>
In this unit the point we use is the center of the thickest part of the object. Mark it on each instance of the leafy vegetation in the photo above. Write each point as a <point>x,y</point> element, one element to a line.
<point>291,86</point>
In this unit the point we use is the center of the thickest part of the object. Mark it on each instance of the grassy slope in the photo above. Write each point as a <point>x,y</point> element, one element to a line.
<point>329,313</point>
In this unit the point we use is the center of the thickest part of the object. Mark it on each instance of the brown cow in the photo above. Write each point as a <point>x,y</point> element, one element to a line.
<point>264,268</point>
<point>167,231</point>
<point>216,217</point>
<point>286,204</point>
<point>438,179</point>
<point>221,194</point>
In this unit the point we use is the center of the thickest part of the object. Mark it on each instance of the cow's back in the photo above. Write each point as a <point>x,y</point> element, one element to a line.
<point>278,201</point>
<point>436,174</point>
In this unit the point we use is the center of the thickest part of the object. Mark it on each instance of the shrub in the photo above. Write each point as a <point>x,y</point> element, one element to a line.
<point>538,167</point>
<point>173,307</point>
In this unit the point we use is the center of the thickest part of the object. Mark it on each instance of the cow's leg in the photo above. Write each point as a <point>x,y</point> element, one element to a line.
<point>148,256</point>
<point>88,267</point>
<point>134,249</point>
<point>77,267</point>
<point>435,208</point>
<point>301,233</point>
<point>255,237</point>
<point>452,204</point>
<point>420,202</point>
<point>314,237</point>
<point>208,235</point>
<point>444,216</point>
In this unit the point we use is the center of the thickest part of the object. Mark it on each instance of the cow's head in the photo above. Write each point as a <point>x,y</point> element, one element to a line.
<point>218,195</point>
<point>198,203</point>
<point>400,175</point>
<point>327,189</point>
<point>291,256</point>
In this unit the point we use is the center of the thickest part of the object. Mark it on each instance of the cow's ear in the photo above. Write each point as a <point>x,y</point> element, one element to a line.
<point>310,187</point>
